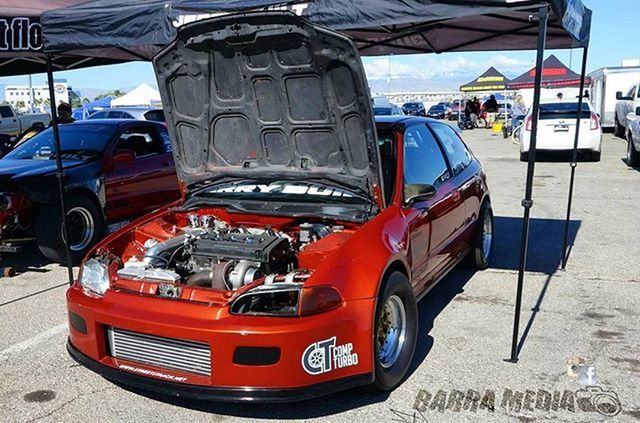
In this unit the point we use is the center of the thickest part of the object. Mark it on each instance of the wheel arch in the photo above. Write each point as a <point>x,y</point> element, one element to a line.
<point>88,194</point>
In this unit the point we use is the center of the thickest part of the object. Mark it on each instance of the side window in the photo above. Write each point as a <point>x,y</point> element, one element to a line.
<point>155,115</point>
<point>632,92</point>
<point>98,115</point>
<point>6,112</point>
<point>143,140</point>
<point>423,159</point>
<point>458,154</point>
<point>115,114</point>
<point>164,134</point>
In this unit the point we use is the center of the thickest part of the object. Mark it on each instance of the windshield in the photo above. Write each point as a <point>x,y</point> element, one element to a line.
<point>382,111</point>
<point>79,142</point>
<point>563,111</point>
<point>436,108</point>
<point>411,105</point>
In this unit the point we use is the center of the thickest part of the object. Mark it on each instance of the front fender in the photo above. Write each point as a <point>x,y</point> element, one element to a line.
<point>356,269</point>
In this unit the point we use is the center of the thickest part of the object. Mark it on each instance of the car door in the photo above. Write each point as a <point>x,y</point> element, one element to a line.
<point>9,123</point>
<point>145,183</point>
<point>432,222</point>
<point>465,180</point>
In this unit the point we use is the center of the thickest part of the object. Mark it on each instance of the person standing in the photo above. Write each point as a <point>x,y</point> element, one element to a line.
<point>491,107</point>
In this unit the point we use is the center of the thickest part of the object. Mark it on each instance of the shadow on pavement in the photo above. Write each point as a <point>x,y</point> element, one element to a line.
<point>545,243</point>
<point>28,260</point>
<point>624,160</point>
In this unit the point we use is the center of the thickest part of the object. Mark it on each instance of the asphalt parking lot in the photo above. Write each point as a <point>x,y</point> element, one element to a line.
<point>588,313</point>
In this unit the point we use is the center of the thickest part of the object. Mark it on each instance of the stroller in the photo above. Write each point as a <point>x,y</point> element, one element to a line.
<point>465,123</point>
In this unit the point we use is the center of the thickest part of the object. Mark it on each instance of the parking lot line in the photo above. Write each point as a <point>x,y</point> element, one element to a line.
<point>33,341</point>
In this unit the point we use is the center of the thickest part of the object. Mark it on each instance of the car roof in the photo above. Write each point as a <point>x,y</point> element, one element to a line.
<point>131,108</point>
<point>115,122</point>
<point>401,121</point>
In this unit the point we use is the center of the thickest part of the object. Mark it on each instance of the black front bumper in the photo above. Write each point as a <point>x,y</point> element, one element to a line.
<point>209,393</point>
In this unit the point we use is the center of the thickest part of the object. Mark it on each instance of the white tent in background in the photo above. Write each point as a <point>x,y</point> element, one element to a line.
<point>142,95</point>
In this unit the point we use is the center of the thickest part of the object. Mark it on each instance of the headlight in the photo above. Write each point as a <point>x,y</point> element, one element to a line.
<point>95,277</point>
<point>286,299</point>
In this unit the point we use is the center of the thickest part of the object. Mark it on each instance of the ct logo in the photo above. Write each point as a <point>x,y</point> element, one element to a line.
<point>316,359</point>
<point>324,356</point>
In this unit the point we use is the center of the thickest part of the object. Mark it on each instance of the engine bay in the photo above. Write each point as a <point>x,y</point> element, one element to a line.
<point>212,253</point>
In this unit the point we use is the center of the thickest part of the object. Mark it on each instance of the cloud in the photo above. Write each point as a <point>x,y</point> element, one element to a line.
<point>440,68</point>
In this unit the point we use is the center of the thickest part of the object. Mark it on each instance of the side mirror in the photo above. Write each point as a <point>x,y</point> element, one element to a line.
<point>414,193</point>
<point>124,156</point>
<point>619,95</point>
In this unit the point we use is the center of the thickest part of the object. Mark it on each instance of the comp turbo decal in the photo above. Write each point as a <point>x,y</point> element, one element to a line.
<point>324,356</point>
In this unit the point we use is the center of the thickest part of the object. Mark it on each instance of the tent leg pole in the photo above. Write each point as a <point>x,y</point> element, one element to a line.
<point>59,169</point>
<point>527,202</point>
<point>574,160</point>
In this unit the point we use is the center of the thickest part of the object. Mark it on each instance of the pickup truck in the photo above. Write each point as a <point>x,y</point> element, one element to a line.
<point>626,105</point>
<point>633,138</point>
<point>13,124</point>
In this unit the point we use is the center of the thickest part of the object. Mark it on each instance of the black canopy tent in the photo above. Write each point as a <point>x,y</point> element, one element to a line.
<point>554,75</point>
<point>490,80</point>
<point>101,27</point>
<point>21,51</point>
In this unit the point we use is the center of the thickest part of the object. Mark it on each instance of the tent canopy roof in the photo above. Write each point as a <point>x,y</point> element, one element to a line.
<point>21,51</point>
<point>142,95</point>
<point>490,80</point>
<point>554,74</point>
<point>137,30</point>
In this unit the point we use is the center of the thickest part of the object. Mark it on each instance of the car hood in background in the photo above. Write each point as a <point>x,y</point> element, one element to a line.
<point>268,95</point>
<point>15,169</point>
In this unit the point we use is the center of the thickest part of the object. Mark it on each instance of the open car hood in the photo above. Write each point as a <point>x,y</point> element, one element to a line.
<point>268,96</point>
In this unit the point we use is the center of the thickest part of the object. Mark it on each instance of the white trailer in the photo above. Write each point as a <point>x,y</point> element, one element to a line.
<point>605,82</point>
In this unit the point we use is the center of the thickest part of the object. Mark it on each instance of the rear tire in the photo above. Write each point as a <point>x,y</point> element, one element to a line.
<point>482,246</point>
<point>618,129</point>
<point>633,156</point>
<point>594,156</point>
<point>86,227</point>
<point>395,332</point>
<point>524,157</point>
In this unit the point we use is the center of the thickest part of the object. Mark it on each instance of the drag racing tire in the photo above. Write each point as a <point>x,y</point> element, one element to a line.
<point>395,332</point>
<point>482,247</point>
<point>86,228</point>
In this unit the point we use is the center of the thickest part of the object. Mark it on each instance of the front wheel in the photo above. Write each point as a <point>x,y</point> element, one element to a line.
<point>86,228</point>
<point>395,332</point>
<point>482,246</point>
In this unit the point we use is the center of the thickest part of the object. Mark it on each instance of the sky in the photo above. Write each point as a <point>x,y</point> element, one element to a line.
<point>614,29</point>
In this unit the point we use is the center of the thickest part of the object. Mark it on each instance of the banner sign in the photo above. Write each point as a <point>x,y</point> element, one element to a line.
<point>20,34</point>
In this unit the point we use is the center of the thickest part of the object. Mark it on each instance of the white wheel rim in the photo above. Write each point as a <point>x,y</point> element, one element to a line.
<point>81,228</point>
